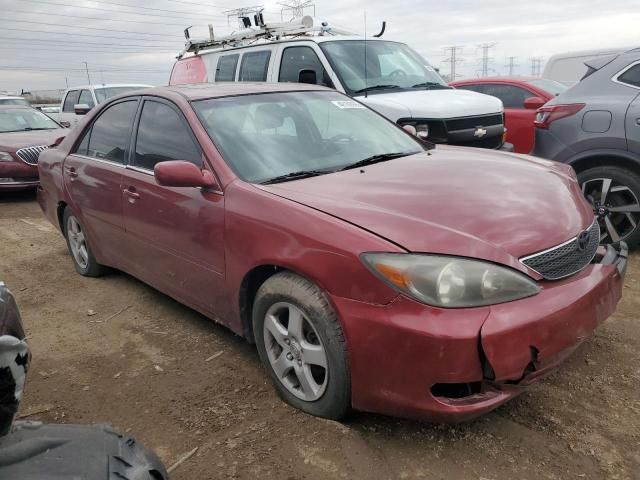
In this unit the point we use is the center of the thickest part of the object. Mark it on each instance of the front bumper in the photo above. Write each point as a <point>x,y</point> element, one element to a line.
<point>17,176</point>
<point>451,365</point>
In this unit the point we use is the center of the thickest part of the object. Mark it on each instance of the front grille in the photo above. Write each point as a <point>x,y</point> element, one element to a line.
<point>30,154</point>
<point>474,122</point>
<point>493,142</point>
<point>568,258</point>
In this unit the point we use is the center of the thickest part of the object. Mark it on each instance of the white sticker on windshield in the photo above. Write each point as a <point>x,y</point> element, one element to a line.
<point>347,104</point>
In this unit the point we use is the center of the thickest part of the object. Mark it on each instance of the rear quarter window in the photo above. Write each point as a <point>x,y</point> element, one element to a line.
<point>226,69</point>
<point>631,76</point>
<point>254,66</point>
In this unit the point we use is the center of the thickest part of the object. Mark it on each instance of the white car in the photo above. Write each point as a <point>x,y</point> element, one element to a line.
<point>77,101</point>
<point>394,80</point>
<point>13,100</point>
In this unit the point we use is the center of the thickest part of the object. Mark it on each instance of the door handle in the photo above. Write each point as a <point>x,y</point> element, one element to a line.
<point>131,193</point>
<point>72,172</point>
<point>637,121</point>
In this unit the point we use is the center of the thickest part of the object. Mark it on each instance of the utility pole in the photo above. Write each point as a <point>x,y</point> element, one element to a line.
<point>485,58</point>
<point>453,59</point>
<point>536,66</point>
<point>297,7</point>
<point>86,66</point>
<point>66,79</point>
<point>511,65</point>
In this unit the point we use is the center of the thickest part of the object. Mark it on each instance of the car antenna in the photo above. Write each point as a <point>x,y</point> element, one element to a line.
<point>366,75</point>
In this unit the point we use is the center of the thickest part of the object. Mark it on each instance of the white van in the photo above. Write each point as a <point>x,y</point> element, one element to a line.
<point>394,79</point>
<point>569,68</point>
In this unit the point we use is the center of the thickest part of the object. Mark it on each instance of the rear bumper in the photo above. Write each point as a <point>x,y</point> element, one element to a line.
<point>441,365</point>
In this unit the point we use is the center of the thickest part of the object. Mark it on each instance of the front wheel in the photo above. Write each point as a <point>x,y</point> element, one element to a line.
<point>301,343</point>
<point>614,193</point>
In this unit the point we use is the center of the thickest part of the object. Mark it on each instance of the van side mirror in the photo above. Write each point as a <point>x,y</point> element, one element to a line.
<point>534,103</point>
<point>180,173</point>
<point>307,76</point>
<point>81,109</point>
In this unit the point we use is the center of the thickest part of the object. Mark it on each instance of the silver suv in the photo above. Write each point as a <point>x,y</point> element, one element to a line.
<point>595,127</point>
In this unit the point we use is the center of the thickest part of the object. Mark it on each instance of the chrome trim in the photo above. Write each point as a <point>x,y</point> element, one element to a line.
<point>14,183</point>
<point>622,72</point>
<point>29,155</point>
<point>108,162</point>
<point>537,254</point>
<point>146,171</point>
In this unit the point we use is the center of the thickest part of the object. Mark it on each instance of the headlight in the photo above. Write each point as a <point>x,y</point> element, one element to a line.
<point>450,282</point>
<point>6,157</point>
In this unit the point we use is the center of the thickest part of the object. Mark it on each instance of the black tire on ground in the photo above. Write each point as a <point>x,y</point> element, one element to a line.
<point>620,176</point>
<point>288,287</point>
<point>92,268</point>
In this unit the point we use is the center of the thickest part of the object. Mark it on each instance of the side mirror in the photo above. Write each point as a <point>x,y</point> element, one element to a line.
<point>81,109</point>
<point>180,173</point>
<point>411,129</point>
<point>307,76</point>
<point>534,103</point>
<point>56,142</point>
<point>65,124</point>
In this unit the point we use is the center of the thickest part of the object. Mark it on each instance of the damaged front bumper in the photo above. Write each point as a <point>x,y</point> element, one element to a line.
<point>447,365</point>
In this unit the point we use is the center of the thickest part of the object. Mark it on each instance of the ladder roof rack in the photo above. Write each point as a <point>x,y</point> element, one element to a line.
<point>268,31</point>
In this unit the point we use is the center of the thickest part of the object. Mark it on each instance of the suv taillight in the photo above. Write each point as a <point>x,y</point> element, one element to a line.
<point>548,114</point>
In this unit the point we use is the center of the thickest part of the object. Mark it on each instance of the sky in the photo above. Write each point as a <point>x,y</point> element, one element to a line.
<point>44,43</point>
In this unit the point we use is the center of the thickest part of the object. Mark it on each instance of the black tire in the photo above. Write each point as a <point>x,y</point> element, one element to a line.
<point>620,177</point>
<point>288,287</point>
<point>92,267</point>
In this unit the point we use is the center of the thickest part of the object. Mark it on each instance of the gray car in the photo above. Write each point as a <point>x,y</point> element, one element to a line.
<point>595,127</point>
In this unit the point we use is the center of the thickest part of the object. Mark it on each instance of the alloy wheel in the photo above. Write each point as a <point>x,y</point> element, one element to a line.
<point>296,353</point>
<point>616,207</point>
<point>77,242</point>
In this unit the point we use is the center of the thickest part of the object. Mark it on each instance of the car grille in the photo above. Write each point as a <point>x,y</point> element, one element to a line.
<point>30,154</point>
<point>568,258</point>
<point>474,122</point>
<point>460,131</point>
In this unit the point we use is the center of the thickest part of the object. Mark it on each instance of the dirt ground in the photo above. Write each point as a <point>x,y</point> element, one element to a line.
<point>115,350</point>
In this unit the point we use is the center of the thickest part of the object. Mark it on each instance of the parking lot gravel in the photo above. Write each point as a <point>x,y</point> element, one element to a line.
<point>113,350</point>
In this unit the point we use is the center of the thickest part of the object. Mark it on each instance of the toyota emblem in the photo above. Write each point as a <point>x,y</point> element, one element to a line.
<point>583,241</point>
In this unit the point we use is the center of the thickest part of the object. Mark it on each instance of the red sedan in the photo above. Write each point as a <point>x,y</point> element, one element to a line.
<point>372,271</point>
<point>521,97</point>
<point>24,133</point>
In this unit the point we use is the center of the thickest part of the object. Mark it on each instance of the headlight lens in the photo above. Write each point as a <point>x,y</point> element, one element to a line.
<point>6,157</point>
<point>450,282</point>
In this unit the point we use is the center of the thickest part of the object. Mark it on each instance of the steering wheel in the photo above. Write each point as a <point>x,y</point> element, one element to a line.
<point>398,73</point>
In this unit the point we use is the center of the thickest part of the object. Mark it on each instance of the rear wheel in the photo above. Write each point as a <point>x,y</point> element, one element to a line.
<point>83,260</point>
<point>614,193</point>
<point>300,342</point>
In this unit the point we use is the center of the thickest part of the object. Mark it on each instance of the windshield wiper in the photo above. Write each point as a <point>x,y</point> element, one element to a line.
<point>376,159</point>
<point>294,176</point>
<point>376,87</point>
<point>430,85</point>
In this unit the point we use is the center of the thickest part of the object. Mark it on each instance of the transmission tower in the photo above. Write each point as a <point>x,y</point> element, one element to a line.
<point>536,66</point>
<point>453,59</point>
<point>511,64</point>
<point>296,7</point>
<point>485,47</point>
<point>242,14</point>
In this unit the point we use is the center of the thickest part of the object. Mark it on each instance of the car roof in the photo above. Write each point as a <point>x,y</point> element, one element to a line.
<point>12,97</point>
<point>200,91</point>
<point>495,79</point>
<point>13,107</point>
<point>109,85</point>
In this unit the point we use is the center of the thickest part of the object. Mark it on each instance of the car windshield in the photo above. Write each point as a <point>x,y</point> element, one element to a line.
<point>104,93</point>
<point>14,101</point>
<point>23,119</point>
<point>267,136</point>
<point>388,65</point>
<point>551,86</point>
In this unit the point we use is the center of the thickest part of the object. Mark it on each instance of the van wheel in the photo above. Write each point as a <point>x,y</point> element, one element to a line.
<point>301,343</point>
<point>614,193</point>
<point>78,245</point>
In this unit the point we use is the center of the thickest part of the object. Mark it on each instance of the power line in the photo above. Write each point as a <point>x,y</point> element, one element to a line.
<point>87,35</point>
<point>453,59</point>
<point>146,8</point>
<point>66,42</point>
<point>485,58</point>
<point>186,15</point>
<point>511,65</point>
<point>297,7</point>
<point>93,18</point>
<point>93,28</point>
<point>109,51</point>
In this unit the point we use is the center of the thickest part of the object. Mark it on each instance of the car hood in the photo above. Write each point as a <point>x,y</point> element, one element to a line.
<point>457,201</point>
<point>434,104</point>
<point>13,141</point>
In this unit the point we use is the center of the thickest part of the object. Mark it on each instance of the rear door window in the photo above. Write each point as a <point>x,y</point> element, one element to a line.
<point>511,96</point>
<point>631,76</point>
<point>108,137</point>
<point>226,70</point>
<point>163,134</point>
<point>254,66</point>
<point>70,101</point>
<point>296,59</point>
